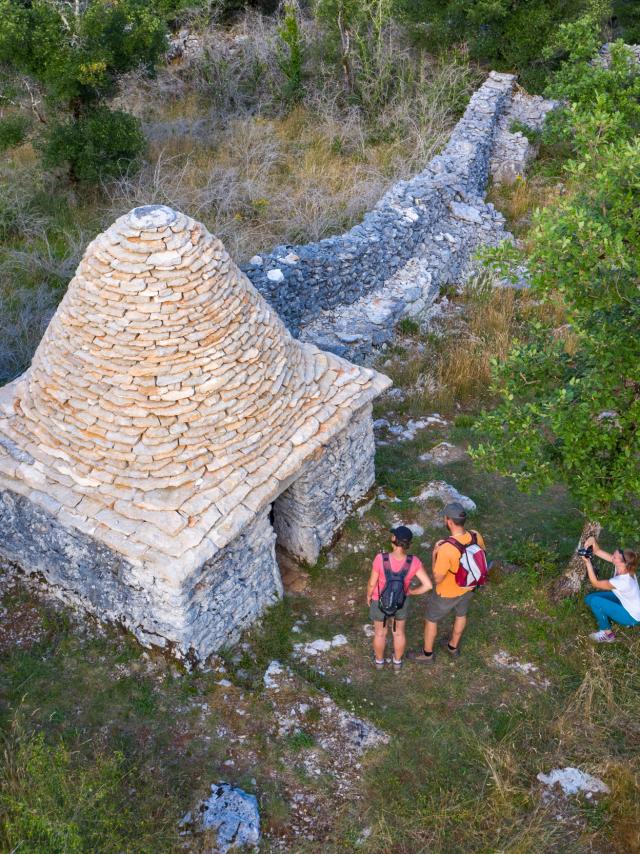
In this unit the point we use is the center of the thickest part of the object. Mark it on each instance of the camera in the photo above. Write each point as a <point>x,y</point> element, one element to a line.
<point>588,552</point>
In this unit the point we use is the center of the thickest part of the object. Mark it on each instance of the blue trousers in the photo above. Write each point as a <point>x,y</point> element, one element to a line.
<point>606,607</point>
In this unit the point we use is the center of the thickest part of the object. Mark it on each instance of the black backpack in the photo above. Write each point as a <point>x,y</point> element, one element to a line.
<point>393,595</point>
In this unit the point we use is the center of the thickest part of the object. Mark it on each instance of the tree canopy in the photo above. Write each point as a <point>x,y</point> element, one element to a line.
<point>569,406</point>
<point>75,52</point>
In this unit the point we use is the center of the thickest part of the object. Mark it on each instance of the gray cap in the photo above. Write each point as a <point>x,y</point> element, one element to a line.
<point>455,511</point>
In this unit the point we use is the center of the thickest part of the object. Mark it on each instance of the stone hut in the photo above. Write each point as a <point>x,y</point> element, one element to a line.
<point>168,432</point>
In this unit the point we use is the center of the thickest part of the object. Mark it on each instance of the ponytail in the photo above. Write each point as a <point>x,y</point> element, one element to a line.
<point>631,560</point>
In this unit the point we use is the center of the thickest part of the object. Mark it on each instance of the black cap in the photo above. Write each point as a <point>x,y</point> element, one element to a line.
<point>402,533</point>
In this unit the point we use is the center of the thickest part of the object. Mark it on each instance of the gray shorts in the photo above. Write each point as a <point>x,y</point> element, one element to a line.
<point>439,606</point>
<point>377,616</point>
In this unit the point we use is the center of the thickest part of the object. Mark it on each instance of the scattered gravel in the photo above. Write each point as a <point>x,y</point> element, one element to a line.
<point>441,491</point>
<point>505,661</point>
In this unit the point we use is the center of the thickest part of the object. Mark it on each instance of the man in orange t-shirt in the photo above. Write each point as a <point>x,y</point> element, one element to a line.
<point>448,596</point>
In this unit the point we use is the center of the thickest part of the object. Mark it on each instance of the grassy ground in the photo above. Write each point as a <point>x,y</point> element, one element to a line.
<point>107,746</point>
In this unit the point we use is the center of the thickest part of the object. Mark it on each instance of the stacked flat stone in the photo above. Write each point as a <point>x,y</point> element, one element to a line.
<point>167,405</point>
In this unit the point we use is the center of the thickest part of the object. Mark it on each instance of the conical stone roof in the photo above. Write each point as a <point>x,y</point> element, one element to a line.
<point>167,403</point>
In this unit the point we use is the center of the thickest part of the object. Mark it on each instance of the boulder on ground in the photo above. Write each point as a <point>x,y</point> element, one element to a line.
<point>441,491</point>
<point>232,813</point>
<point>443,453</point>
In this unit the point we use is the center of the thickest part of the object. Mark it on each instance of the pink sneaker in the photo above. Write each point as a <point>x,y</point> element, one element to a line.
<point>603,636</point>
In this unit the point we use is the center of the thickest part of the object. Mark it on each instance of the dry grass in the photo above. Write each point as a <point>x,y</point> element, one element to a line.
<point>455,366</point>
<point>519,200</point>
<point>225,148</point>
<point>266,181</point>
<point>463,365</point>
<point>479,327</point>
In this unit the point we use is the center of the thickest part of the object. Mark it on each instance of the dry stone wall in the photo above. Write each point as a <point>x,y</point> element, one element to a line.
<point>346,292</point>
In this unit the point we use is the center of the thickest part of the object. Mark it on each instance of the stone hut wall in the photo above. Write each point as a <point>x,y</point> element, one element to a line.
<point>307,515</point>
<point>232,589</point>
<point>220,599</point>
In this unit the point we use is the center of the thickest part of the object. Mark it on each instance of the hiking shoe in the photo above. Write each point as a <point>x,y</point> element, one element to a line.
<point>379,665</point>
<point>603,636</point>
<point>420,657</point>
<point>397,665</point>
<point>454,652</point>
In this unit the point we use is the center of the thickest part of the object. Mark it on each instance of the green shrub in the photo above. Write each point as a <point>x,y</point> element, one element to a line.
<point>13,130</point>
<point>101,144</point>
<point>408,326</point>
<point>290,54</point>
<point>300,740</point>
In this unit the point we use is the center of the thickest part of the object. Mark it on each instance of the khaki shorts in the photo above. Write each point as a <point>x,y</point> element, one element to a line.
<point>377,616</point>
<point>439,606</point>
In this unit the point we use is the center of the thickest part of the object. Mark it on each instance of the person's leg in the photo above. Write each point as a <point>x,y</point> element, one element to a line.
<point>459,625</point>
<point>379,639</point>
<point>596,602</point>
<point>613,610</point>
<point>399,640</point>
<point>460,622</point>
<point>430,632</point>
<point>436,608</point>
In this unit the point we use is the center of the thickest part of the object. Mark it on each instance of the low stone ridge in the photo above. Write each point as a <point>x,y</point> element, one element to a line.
<point>604,54</point>
<point>165,409</point>
<point>345,293</point>
<point>513,150</point>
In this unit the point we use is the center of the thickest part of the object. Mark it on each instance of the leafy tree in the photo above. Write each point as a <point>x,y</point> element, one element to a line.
<point>509,35</point>
<point>570,392</point>
<point>75,50</point>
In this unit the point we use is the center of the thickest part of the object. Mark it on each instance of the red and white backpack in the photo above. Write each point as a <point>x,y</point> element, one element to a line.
<point>472,570</point>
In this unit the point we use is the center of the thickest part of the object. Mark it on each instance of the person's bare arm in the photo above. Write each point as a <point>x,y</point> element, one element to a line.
<point>440,566</point>
<point>598,552</point>
<point>596,582</point>
<point>424,586</point>
<point>371,586</point>
<point>434,554</point>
